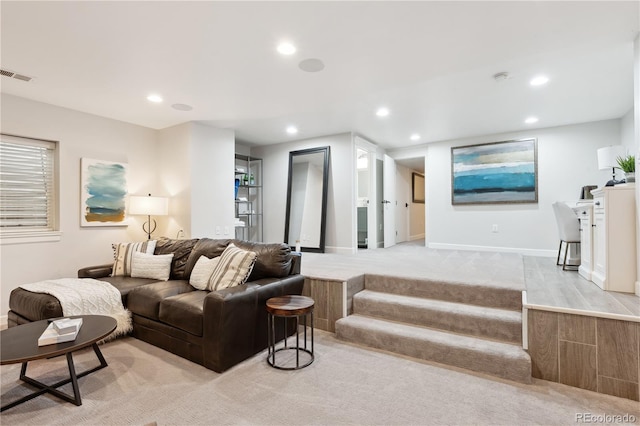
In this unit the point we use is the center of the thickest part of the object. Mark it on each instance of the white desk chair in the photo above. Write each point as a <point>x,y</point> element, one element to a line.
<point>569,230</point>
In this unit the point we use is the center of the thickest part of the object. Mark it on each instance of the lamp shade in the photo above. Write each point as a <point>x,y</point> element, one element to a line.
<point>151,206</point>
<point>608,156</point>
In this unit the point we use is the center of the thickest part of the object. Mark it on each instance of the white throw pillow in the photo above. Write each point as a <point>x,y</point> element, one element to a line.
<point>202,272</point>
<point>146,265</point>
<point>123,254</point>
<point>233,269</point>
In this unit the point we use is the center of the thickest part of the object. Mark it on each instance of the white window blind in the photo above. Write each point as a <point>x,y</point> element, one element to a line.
<point>27,184</point>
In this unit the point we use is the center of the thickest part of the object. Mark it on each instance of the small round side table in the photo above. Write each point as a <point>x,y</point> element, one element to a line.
<point>289,307</point>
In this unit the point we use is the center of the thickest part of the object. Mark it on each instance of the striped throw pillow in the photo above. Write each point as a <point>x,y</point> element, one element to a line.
<point>123,255</point>
<point>233,269</point>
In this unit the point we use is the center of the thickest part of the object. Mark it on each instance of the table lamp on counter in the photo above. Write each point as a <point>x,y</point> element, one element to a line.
<point>608,159</point>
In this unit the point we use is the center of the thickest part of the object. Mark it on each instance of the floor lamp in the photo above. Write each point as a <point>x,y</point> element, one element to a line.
<point>149,206</point>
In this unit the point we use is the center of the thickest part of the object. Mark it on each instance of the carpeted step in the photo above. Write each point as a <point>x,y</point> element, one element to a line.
<point>486,356</point>
<point>474,294</point>
<point>493,323</point>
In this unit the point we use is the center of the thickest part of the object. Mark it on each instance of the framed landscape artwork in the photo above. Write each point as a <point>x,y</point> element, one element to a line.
<point>103,193</point>
<point>495,173</point>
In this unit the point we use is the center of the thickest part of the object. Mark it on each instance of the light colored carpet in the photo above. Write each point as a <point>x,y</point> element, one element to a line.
<point>407,260</point>
<point>345,385</point>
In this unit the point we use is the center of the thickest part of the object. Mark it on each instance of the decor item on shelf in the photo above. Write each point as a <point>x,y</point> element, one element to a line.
<point>495,173</point>
<point>103,193</point>
<point>628,166</point>
<point>607,159</point>
<point>237,185</point>
<point>149,206</point>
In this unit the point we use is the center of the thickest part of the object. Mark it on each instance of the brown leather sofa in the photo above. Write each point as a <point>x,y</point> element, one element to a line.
<point>216,329</point>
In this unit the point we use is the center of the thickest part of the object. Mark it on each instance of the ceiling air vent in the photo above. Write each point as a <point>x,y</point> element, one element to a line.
<point>11,74</point>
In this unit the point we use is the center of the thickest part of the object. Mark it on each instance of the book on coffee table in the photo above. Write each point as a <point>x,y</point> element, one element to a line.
<point>51,335</point>
<point>67,325</point>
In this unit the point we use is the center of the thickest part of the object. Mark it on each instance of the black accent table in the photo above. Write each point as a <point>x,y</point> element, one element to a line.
<point>20,345</point>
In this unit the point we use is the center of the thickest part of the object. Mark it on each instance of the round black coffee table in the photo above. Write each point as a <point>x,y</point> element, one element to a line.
<point>20,345</point>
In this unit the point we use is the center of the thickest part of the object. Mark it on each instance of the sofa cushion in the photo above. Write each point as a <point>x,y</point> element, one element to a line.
<point>273,261</point>
<point>181,250</point>
<point>232,269</point>
<point>34,306</point>
<point>126,284</point>
<point>157,266</point>
<point>145,300</point>
<point>201,273</point>
<point>184,311</point>
<point>205,247</point>
<point>123,255</point>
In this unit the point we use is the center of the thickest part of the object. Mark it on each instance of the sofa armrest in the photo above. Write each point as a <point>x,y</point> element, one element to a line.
<point>229,318</point>
<point>99,271</point>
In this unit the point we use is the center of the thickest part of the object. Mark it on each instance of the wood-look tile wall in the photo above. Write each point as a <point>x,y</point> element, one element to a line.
<point>597,354</point>
<point>333,299</point>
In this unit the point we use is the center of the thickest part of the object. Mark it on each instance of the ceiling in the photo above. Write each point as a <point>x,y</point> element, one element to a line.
<point>430,63</point>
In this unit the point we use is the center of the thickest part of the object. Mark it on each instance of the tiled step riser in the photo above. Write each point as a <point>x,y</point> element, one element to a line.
<point>452,292</point>
<point>414,346</point>
<point>458,322</point>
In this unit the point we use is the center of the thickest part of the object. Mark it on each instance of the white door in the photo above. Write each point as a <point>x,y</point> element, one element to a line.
<point>389,201</point>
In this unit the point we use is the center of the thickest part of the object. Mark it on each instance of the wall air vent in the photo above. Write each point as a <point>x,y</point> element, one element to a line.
<point>11,74</point>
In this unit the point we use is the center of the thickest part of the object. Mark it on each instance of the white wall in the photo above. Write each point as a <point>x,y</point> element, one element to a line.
<point>566,162</point>
<point>212,192</point>
<point>340,233</point>
<point>627,132</point>
<point>174,157</point>
<point>79,135</point>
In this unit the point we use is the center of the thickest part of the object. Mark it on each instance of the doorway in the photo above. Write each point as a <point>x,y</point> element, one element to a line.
<point>363,198</point>
<point>410,217</point>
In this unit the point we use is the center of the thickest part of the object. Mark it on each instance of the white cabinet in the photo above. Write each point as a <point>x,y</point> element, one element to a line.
<point>614,238</point>
<point>585,215</point>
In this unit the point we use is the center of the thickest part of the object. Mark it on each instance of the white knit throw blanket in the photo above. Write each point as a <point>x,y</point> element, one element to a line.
<point>86,296</point>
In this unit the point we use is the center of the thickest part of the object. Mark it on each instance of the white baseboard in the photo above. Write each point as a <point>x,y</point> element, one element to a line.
<point>638,288</point>
<point>339,250</point>
<point>523,251</point>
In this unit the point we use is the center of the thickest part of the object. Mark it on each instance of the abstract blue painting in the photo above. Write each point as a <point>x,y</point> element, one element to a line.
<point>495,173</point>
<point>103,193</point>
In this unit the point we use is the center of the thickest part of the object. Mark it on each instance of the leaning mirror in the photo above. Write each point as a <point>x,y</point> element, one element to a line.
<point>307,199</point>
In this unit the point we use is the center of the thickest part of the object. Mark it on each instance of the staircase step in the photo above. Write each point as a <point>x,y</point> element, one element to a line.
<point>486,356</point>
<point>493,323</point>
<point>473,294</point>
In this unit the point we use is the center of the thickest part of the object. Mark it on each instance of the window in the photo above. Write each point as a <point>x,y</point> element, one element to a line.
<point>27,189</point>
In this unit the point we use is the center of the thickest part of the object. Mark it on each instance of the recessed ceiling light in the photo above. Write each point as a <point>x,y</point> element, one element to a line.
<point>539,80</point>
<point>531,120</point>
<point>154,98</point>
<point>415,137</point>
<point>382,112</point>
<point>292,130</point>
<point>286,48</point>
